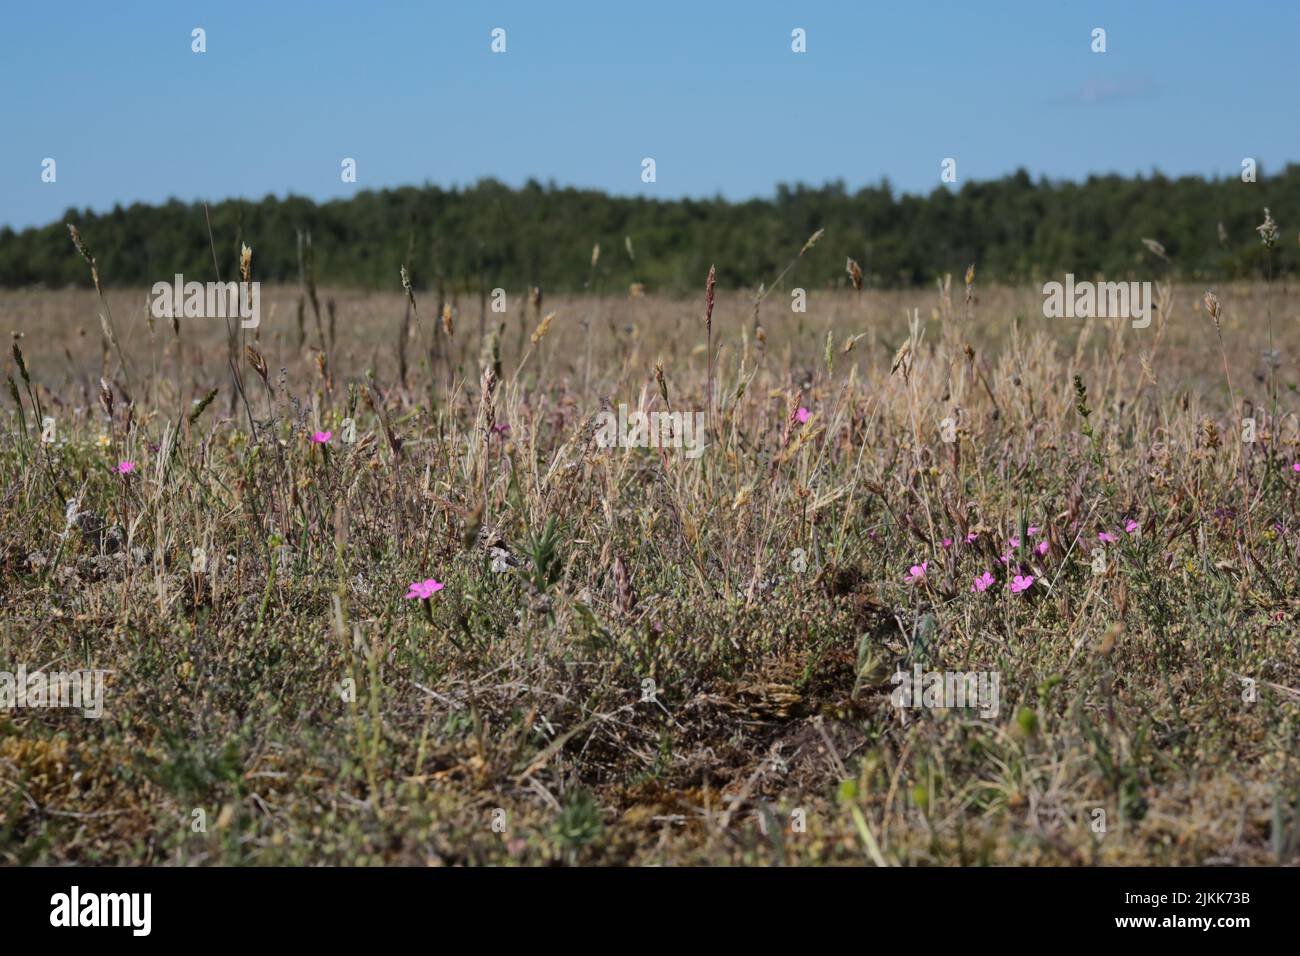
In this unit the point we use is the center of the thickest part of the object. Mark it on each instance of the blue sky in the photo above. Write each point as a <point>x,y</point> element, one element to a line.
<point>585,91</point>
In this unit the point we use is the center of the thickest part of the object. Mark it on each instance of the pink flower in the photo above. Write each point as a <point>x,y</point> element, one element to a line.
<point>1042,547</point>
<point>1107,537</point>
<point>321,438</point>
<point>947,542</point>
<point>983,582</point>
<point>1021,582</point>
<point>1130,526</point>
<point>804,415</point>
<point>970,538</point>
<point>1006,558</point>
<point>917,571</point>
<point>1014,542</point>
<point>501,429</point>
<point>1296,466</point>
<point>125,467</point>
<point>1031,531</point>
<point>424,589</point>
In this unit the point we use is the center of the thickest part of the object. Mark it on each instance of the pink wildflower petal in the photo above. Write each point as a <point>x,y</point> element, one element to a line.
<point>804,415</point>
<point>423,589</point>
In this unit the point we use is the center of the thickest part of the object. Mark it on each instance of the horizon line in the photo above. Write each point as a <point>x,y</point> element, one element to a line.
<point>550,185</point>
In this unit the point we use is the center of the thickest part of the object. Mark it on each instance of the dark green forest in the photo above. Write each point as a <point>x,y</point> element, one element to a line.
<point>1012,229</point>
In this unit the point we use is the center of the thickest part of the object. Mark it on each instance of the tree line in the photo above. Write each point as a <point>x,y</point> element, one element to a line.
<point>1013,229</point>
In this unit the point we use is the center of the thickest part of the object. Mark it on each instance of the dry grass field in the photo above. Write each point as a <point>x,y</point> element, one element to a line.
<point>769,589</point>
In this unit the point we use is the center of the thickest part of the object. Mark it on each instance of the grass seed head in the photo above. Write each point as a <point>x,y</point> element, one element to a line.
<point>709,284</point>
<point>255,359</point>
<point>855,274</point>
<point>106,398</point>
<point>1212,306</point>
<point>1267,230</point>
<point>812,241</point>
<point>22,364</point>
<point>80,245</point>
<point>540,332</point>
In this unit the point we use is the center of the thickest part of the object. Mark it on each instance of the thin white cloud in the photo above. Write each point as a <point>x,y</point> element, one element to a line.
<point>1109,89</point>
